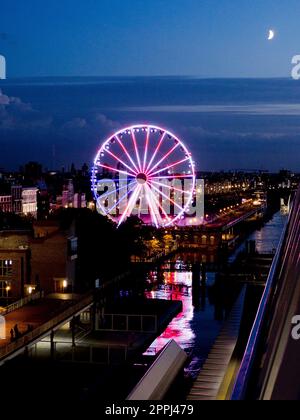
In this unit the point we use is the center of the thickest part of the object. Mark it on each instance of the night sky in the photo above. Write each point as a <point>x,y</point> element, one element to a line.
<point>207,38</point>
<point>249,123</point>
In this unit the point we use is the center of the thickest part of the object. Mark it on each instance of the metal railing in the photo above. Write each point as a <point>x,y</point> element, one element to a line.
<point>245,370</point>
<point>22,302</point>
<point>27,339</point>
<point>104,354</point>
<point>129,322</point>
<point>158,256</point>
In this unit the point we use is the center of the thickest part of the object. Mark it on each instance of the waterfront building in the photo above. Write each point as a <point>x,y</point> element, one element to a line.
<point>5,203</point>
<point>24,260</point>
<point>29,202</point>
<point>14,264</point>
<point>16,196</point>
<point>50,243</point>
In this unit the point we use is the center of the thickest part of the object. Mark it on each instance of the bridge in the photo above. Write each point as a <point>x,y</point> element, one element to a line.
<point>37,319</point>
<point>235,217</point>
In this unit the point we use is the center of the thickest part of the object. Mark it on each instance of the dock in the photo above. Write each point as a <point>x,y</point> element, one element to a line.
<point>217,373</point>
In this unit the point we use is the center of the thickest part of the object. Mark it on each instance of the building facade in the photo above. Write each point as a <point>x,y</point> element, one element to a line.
<point>14,265</point>
<point>60,247</point>
<point>29,202</point>
<point>43,261</point>
<point>16,196</point>
<point>5,203</point>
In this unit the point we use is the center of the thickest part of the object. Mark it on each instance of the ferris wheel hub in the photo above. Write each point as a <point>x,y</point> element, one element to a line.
<point>141,178</point>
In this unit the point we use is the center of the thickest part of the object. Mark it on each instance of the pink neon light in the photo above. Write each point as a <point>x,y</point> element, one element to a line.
<point>145,164</point>
<point>115,170</point>
<point>127,154</point>
<point>121,161</point>
<point>170,166</point>
<point>136,150</point>
<point>168,198</point>
<point>159,205</point>
<point>172,177</point>
<point>120,200</point>
<point>146,149</point>
<point>153,215</point>
<point>105,195</point>
<point>164,158</point>
<point>130,204</point>
<point>170,188</point>
<point>156,150</point>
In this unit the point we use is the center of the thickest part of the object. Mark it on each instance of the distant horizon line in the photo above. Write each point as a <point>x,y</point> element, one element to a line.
<point>148,77</point>
<point>68,168</point>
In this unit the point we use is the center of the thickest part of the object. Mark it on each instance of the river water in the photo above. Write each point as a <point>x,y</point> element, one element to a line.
<point>197,326</point>
<point>266,238</point>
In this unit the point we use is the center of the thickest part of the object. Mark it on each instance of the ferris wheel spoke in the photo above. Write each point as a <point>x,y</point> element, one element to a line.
<point>172,177</point>
<point>118,179</point>
<point>143,167</point>
<point>140,205</point>
<point>152,211</point>
<point>169,187</point>
<point>105,195</point>
<point>115,170</point>
<point>169,167</point>
<point>156,151</point>
<point>122,162</point>
<point>124,197</point>
<point>170,199</point>
<point>127,154</point>
<point>131,204</point>
<point>146,149</point>
<point>164,158</point>
<point>158,204</point>
<point>136,150</point>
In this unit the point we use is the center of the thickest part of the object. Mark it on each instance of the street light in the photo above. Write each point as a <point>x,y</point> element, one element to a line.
<point>7,291</point>
<point>65,285</point>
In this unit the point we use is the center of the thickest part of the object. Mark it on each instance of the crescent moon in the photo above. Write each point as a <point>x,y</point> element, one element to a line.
<point>271,35</point>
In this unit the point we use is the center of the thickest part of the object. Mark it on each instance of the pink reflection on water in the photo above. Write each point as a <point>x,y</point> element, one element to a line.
<point>177,286</point>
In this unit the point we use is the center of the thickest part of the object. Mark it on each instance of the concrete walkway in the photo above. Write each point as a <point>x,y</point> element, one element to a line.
<point>216,374</point>
<point>33,314</point>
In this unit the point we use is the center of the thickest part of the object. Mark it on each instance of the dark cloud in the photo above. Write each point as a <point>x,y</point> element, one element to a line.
<point>77,117</point>
<point>31,133</point>
<point>16,115</point>
<point>227,150</point>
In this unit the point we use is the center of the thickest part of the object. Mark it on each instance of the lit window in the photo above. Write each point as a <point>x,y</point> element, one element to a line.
<point>6,268</point>
<point>5,289</point>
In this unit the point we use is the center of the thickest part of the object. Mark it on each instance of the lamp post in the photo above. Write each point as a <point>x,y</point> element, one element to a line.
<point>7,292</point>
<point>65,285</point>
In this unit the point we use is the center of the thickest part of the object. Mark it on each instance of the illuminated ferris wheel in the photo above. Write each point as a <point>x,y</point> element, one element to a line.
<point>146,171</point>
